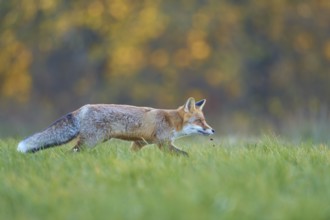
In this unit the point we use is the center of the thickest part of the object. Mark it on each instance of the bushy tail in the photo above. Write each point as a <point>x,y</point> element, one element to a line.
<point>61,131</point>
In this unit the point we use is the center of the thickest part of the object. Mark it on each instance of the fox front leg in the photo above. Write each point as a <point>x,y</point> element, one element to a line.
<point>177,150</point>
<point>172,149</point>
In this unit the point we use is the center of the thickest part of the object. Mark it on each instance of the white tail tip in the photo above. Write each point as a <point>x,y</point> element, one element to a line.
<point>22,147</point>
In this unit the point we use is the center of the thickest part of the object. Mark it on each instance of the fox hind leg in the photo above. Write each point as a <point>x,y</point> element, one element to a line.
<point>78,145</point>
<point>137,145</point>
<point>82,143</point>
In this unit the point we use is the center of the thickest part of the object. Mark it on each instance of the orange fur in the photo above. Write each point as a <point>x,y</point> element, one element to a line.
<point>92,124</point>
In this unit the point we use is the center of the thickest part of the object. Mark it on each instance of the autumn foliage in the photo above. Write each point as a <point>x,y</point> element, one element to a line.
<point>248,57</point>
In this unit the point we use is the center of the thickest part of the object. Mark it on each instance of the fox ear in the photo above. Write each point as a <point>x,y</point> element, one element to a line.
<point>190,105</point>
<point>200,104</point>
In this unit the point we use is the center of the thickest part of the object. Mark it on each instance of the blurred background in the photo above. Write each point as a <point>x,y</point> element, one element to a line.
<point>263,66</point>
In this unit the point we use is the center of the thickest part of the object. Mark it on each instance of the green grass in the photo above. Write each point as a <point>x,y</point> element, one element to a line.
<point>262,179</point>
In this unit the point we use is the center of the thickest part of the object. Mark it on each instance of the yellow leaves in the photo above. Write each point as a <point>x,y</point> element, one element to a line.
<point>150,23</point>
<point>62,24</point>
<point>29,11</point>
<point>197,44</point>
<point>126,60</point>
<point>17,86</point>
<point>130,53</point>
<point>95,9</point>
<point>148,14</point>
<point>47,4</point>
<point>15,60</point>
<point>197,49</point>
<point>212,38</point>
<point>119,9</point>
<point>200,50</point>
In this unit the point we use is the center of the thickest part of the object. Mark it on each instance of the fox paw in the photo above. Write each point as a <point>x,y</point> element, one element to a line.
<point>76,149</point>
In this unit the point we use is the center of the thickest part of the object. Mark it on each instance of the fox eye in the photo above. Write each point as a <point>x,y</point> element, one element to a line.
<point>198,120</point>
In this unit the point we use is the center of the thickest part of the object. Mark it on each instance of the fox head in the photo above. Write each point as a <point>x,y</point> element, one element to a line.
<point>193,119</point>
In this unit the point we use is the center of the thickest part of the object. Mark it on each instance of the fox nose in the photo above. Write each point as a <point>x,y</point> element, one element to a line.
<point>213,131</point>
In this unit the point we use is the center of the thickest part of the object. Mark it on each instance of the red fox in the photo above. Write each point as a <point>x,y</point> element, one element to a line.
<point>92,124</point>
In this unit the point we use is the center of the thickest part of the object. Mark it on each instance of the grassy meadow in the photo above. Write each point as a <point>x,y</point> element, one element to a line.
<point>266,178</point>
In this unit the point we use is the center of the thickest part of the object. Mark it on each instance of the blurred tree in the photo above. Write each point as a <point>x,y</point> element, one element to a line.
<point>263,58</point>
